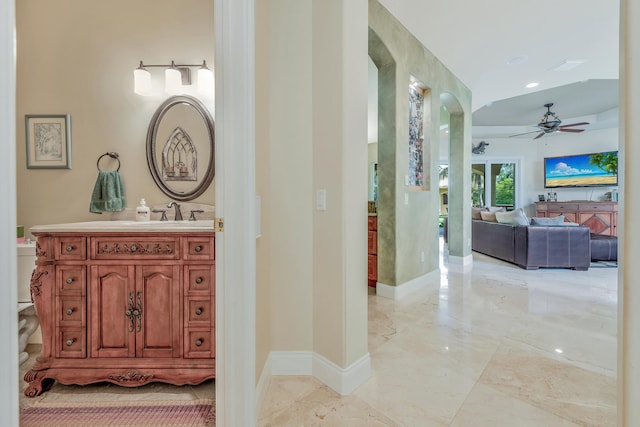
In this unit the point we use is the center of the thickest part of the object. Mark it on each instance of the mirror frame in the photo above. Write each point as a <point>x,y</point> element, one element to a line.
<point>152,132</point>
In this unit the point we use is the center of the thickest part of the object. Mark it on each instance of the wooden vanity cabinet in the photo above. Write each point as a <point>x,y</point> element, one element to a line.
<point>124,308</point>
<point>373,251</point>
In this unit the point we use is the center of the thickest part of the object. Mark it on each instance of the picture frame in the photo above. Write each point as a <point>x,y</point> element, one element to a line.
<point>48,141</point>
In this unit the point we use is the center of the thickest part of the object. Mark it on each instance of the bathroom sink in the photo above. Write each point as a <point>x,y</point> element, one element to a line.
<point>110,226</point>
<point>170,224</point>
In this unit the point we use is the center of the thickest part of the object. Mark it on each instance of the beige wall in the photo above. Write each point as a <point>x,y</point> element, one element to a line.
<point>339,148</point>
<point>77,64</point>
<point>314,124</point>
<point>629,226</point>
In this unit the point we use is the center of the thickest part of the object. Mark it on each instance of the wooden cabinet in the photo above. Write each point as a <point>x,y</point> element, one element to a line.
<point>124,308</point>
<point>373,251</point>
<point>600,217</point>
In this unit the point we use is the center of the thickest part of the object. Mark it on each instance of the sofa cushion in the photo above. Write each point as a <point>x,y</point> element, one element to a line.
<point>497,209</point>
<point>554,221</point>
<point>515,217</point>
<point>475,212</point>
<point>488,216</point>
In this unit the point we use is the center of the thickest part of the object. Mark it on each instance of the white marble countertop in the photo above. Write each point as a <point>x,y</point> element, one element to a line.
<point>126,226</point>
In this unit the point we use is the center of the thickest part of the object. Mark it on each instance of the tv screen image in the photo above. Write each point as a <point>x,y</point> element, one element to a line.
<point>582,170</point>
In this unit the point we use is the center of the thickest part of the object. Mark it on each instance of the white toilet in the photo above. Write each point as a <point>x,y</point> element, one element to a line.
<point>27,319</point>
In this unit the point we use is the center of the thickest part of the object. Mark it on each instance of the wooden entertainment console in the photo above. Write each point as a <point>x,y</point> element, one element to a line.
<point>124,304</point>
<point>600,217</point>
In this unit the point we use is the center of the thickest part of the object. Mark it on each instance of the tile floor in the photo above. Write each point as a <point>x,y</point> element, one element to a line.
<point>493,346</point>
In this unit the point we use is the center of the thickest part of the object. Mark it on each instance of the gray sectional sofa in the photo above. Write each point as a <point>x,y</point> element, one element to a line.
<point>532,247</point>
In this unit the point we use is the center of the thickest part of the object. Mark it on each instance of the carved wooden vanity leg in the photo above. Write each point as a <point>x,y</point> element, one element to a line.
<point>38,384</point>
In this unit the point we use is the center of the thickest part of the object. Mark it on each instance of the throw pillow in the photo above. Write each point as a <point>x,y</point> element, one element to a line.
<point>497,209</point>
<point>556,220</point>
<point>515,217</point>
<point>488,216</point>
<point>475,212</point>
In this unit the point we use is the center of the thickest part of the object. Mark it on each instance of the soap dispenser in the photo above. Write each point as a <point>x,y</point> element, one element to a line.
<point>143,213</point>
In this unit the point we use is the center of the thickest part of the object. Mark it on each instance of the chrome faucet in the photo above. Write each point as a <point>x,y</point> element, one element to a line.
<point>178,215</point>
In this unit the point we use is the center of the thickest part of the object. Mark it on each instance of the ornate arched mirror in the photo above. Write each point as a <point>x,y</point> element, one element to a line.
<point>181,147</point>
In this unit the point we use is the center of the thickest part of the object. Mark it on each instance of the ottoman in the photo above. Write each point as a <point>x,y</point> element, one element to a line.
<point>604,248</point>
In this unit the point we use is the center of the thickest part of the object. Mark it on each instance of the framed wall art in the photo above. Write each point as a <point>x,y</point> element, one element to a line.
<point>48,141</point>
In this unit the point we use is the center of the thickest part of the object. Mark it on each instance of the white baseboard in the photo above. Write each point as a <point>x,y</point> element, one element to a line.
<point>263,384</point>
<point>291,362</point>
<point>342,380</point>
<point>401,291</point>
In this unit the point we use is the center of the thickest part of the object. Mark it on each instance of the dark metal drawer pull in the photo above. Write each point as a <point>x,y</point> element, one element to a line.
<point>69,311</point>
<point>70,342</point>
<point>198,343</point>
<point>198,248</point>
<point>69,280</point>
<point>199,280</point>
<point>69,248</point>
<point>198,311</point>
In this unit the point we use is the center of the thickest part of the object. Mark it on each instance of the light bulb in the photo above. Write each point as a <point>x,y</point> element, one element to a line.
<point>206,83</point>
<point>142,81</point>
<point>172,80</point>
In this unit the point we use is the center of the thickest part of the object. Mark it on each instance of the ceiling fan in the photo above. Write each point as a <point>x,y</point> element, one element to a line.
<point>551,123</point>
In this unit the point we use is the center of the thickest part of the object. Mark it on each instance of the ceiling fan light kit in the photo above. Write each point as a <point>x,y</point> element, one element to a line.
<point>550,123</point>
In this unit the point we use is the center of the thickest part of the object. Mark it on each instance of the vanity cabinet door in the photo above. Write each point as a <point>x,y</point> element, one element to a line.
<point>112,301</point>
<point>135,311</point>
<point>158,299</point>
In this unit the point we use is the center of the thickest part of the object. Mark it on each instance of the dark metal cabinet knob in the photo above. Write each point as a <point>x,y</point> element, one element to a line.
<point>198,248</point>
<point>199,280</point>
<point>69,311</point>
<point>69,280</point>
<point>69,248</point>
<point>198,311</point>
<point>70,342</point>
<point>198,343</point>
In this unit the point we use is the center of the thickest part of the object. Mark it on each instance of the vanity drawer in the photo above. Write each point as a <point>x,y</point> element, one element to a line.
<point>199,248</point>
<point>199,312</point>
<point>71,279</point>
<point>127,247</point>
<point>71,248</point>
<point>71,311</point>
<point>71,343</point>
<point>199,343</point>
<point>200,279</point>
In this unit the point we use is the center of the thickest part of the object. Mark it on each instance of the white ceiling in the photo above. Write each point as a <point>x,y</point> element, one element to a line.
<point>477,40</point>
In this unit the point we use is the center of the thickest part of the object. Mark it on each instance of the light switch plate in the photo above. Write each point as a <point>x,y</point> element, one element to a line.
<point>321,199</point>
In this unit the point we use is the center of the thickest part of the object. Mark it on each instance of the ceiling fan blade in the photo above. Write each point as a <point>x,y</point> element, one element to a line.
<point>520,134</point>
<point>539,136</point>
<point>571,130</point>
<point>575,124</point>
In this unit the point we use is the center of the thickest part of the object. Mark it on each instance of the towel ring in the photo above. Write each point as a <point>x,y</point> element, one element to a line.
<point>111,154</point>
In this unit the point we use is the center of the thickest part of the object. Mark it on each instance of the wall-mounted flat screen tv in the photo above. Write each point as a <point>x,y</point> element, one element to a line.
<point>582,170</point>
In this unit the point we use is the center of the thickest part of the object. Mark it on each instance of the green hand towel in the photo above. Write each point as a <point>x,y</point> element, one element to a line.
<point>108,193</point>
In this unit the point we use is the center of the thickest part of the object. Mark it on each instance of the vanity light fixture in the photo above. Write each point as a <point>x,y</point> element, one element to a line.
<point>176,77</point>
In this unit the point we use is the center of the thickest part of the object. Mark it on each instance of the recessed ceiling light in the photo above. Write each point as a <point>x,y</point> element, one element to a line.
<point>568,64</point>
<point>516,60</point>
<point>532,85</point>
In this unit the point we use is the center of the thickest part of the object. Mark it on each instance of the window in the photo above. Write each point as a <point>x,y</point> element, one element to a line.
<point>495,183</point>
